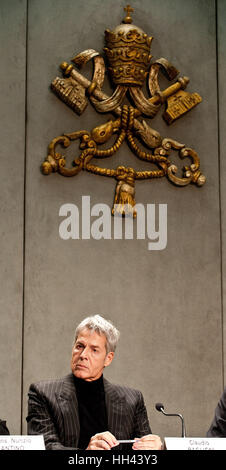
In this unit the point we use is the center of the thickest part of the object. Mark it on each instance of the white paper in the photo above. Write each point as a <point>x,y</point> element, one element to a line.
<point>195,443</point>
<point>22,443</point>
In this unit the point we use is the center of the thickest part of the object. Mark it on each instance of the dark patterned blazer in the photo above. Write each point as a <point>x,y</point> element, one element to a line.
<point>53,412</point>
<point>3,428</point>
<point>218,425</point>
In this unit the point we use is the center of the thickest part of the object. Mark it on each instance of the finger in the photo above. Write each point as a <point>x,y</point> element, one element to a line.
<point>149,437</point>
<point>111,439</point>
<point>152,439</point>
<point>94,447</point>
<point>137,439</point>
<point>148,444</point>
<point>103,445</point>
<point>107,437</point>
<point>99,444</point>
<point>144,445</point>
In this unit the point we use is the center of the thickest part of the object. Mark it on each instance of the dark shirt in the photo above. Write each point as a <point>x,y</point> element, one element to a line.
<point>218,425</point>
<point>3,428</point>
<point>92,409</point>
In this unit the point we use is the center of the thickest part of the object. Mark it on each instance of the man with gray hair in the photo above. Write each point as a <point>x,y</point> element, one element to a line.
<point>84,410</point>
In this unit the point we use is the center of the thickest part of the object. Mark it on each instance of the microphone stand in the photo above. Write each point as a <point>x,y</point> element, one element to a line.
<point>160,407</point>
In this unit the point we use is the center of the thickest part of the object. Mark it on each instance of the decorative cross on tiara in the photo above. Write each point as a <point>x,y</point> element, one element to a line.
<point>128,18</point>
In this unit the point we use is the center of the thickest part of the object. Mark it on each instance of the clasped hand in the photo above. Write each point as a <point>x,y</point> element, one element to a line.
<point>106,441</point>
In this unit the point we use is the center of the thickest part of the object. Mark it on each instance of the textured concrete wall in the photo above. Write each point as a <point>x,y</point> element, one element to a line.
<point>221,52</point>
<point>167,304</point>
<point>12,138</point>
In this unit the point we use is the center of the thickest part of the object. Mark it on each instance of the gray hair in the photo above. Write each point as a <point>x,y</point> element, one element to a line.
<point>101,326</point>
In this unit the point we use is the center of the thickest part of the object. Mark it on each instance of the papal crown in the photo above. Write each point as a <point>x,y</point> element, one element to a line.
<point>128,52</point>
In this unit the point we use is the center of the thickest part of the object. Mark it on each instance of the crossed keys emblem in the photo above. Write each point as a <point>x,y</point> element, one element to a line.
<point>129,66</point>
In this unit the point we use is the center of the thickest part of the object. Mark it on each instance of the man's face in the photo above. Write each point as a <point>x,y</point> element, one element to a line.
<point>89,356</point>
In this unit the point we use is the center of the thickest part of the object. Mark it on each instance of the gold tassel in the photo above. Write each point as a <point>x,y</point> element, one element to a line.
<point>124,201</point>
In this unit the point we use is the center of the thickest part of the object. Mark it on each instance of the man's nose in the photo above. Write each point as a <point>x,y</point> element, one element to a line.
<point>84,353</point>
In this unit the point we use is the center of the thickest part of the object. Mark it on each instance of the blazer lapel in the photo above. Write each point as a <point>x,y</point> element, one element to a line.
<point>68,404</point>
<point>114,406</point>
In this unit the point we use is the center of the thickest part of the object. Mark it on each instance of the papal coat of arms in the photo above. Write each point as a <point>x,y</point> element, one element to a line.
<point>129,67</point>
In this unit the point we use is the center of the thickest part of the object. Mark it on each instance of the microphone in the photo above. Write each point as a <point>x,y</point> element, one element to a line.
<point>160,407</point>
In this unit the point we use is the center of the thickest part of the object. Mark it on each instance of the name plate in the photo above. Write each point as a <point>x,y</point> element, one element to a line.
<point>195,443</point>
<point>22,443</point>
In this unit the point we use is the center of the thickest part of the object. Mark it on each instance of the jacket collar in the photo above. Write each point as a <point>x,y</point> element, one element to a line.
<point>114,405</point>
<point>68,403</point>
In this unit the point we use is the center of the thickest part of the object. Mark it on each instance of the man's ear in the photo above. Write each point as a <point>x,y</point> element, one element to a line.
<point>109,358</point>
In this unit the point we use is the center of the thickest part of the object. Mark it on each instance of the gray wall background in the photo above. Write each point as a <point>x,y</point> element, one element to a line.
<point>170,304</point>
